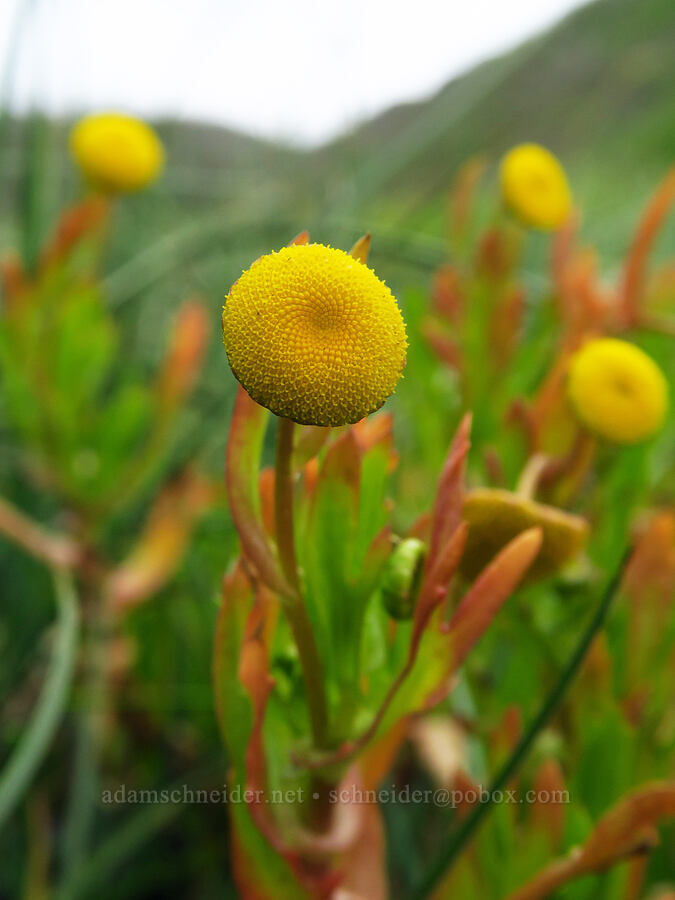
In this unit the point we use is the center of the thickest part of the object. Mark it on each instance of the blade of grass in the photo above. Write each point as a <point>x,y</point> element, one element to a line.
<point>467,829</point>
<point>16,31</point>
<point>22,765</point>
<point>134,831</point>
<point>33,196</point>
<point>119,847</point>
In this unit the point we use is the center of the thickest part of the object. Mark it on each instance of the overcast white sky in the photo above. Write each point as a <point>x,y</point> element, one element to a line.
<point>280,68</point>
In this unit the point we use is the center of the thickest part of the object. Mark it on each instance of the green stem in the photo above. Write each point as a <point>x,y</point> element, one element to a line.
<point>283,503</point>
<point>83,799</point>
<point>465,832</point>
<point>294,606</point>
<point>22,765</point>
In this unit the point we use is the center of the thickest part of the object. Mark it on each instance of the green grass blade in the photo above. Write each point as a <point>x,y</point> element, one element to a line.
<point>459,839</point>
<point>22,765</point>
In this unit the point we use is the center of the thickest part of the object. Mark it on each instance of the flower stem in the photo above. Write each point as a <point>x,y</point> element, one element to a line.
<point>465,832</point>
<point>528,482</point>
<point>294,606</point>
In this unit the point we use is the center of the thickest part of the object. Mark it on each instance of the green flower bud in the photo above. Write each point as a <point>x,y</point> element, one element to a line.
<point>402,578</point>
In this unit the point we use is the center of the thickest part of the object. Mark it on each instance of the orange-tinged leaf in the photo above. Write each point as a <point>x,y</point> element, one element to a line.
<point>445,348</point>
<point>446,294</point>
<point>230,624</point>
<point>651,568</point>
<point>302,238</point>
<point>447,512</point>
<point>309,441</point>
<point>343,462</point>
<point>627,829</point>
<point>58,550</point>
<point>360,249</point>
<point>491,589</point>
<point>14,281</point>
<point>463,191</point>
<point>85,218</point>
<point>184,355</point>
<point>374,430</point>
<point>632,288</point>
<point>508,731</point>
<point>160,548</point>
<point>266,488</point>
<point>378,758</point>
<point>256,680</point>
<point>364,864</point>
<point>436,581</point>
<point>497,253</point>
<point>548,809</point>
<point>251,882</point>
<point>616,834</point>
<point>505,324</point>
<point>468,792</point>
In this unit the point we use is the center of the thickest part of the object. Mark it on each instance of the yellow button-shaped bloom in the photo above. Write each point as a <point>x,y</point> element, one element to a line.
<point>534,187</point>
<point>116,152</point>
<point>314,335</point>
<point>617,390</point>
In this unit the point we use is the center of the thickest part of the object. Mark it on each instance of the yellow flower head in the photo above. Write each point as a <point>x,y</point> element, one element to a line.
<point>312,334</point>
<point>534,186</point>
<point>116,152</point>
<point>617,390</point>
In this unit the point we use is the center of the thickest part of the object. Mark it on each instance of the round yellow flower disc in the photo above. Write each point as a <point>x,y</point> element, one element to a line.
<point>534,187</point>
<point>617,390</point>
<point>116,152</point>
<point>314,335</point>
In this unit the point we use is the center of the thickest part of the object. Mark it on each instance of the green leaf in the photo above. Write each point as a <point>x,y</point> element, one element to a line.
<point>233,707</point>
<point>327,554</point>
<point>244,447</point>
<point>607,746</point>
<point>82,345</point>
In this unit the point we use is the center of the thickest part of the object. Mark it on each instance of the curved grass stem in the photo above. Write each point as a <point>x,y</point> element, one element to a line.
<point>470,825</point>
<point>19,770</point>
<point>90,736</point>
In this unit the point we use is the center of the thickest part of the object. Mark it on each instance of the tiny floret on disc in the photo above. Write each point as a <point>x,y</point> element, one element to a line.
<point>314,335</point>
<point>617,391</point>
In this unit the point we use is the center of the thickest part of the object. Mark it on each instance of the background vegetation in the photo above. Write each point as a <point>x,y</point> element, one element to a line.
<point>598,90</point>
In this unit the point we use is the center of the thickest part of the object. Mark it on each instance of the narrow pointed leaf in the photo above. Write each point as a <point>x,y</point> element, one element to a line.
<point>241,478</point>
<point>360,249</point>
<point>484,599</point>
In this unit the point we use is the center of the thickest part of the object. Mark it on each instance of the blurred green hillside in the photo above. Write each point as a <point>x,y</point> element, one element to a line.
<point>597,89</point>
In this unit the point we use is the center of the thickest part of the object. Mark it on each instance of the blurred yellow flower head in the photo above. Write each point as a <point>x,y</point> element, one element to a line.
<point>116,152</point>
<point>534,187</point>
<point>617,390</point>
<point>314,335</point>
